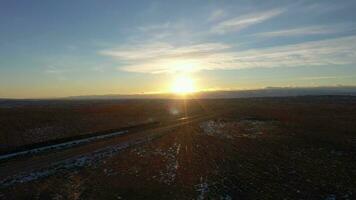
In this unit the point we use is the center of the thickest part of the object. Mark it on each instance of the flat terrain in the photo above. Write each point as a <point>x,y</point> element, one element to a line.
<point>257,148</point>
<point>29,122</point>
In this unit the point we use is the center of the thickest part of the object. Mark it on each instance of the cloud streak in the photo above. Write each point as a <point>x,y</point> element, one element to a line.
<point>172,55</point>
<point>159,57</point>
<point>162,49</point>
<point>245,21</point>
<point>309,30</point>
<point>217,15</point>
<point>167,58</point>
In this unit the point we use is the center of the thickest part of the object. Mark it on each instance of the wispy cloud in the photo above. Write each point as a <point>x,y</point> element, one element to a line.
<point>242,22</point>
<point>217,15</point>
<point>162,57</point>
<point>323,52</point>
<point>51,69</point>
<point>324,7</point>
<point>135,52</point>
<point>309,30</point>
<point>155,27</point>
<point>199,30</point>
<point>163,31</point>
<point>55,71</point>
<point>171,54</point>
<point>167,58</point>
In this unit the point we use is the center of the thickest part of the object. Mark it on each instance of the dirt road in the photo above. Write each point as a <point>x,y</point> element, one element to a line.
<point>26,168</point>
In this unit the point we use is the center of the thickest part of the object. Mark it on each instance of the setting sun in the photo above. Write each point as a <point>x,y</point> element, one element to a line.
<point>183,85</point>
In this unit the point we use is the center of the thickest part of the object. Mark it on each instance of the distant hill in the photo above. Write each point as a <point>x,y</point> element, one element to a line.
<point>265,92</point>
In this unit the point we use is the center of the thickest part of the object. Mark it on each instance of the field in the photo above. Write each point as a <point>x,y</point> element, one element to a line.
<point>27,122</point>
<point>253,148</point>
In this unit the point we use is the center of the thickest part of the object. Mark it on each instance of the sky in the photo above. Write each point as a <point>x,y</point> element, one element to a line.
<point>92,47</point>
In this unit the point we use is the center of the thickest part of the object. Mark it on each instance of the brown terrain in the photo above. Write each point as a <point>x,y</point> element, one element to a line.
<point>254,148</point>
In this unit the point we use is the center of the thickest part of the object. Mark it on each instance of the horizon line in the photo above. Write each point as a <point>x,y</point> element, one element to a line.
<point>177,96</point>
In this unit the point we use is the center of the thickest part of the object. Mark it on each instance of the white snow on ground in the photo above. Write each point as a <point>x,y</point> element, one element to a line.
<point>252,127</point>
<point>202,189</point>
<point>61,145</point>
<point>228,129</point>
<point>212,127</point>
<point>90,159</point>
<point>168,174</point>
<point>208,190</point>
<point>215,128</point>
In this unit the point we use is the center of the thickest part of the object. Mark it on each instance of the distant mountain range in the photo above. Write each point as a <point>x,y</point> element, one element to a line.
<point>265,92</point>
<point>219,94</point>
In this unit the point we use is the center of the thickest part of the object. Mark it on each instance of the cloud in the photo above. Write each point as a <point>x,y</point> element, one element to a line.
<point>191,30</point>
<point>53,70</point>
<point>242,22</point>
<point>163,31</point>
<point>161,49</point>
<point>168,47</point>
<point>217,15</point>
<point>325,52</point>
<point>162,57</point>
<point>168,58</point>
<point>325,7</point>
<point>309,30</point>
<point>154,27</point>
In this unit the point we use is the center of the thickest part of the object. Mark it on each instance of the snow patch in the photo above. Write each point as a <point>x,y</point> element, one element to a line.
<point>61,145</point>
<point>215,128</point>
<point>202,189</point>
<point>90,159</point>
<point>169,173</point>
<point>230,129</point>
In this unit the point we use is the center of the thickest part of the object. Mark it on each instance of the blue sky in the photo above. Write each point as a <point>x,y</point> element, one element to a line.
<point>62,48</point>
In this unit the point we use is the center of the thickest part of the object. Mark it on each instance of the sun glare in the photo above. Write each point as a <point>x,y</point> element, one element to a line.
<point>183,85</point>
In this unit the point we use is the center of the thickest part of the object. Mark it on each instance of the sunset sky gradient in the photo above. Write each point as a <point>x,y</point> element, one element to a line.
<point>66,48</point>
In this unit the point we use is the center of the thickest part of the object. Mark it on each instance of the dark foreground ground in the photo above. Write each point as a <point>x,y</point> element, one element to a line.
<point>263,148</point>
